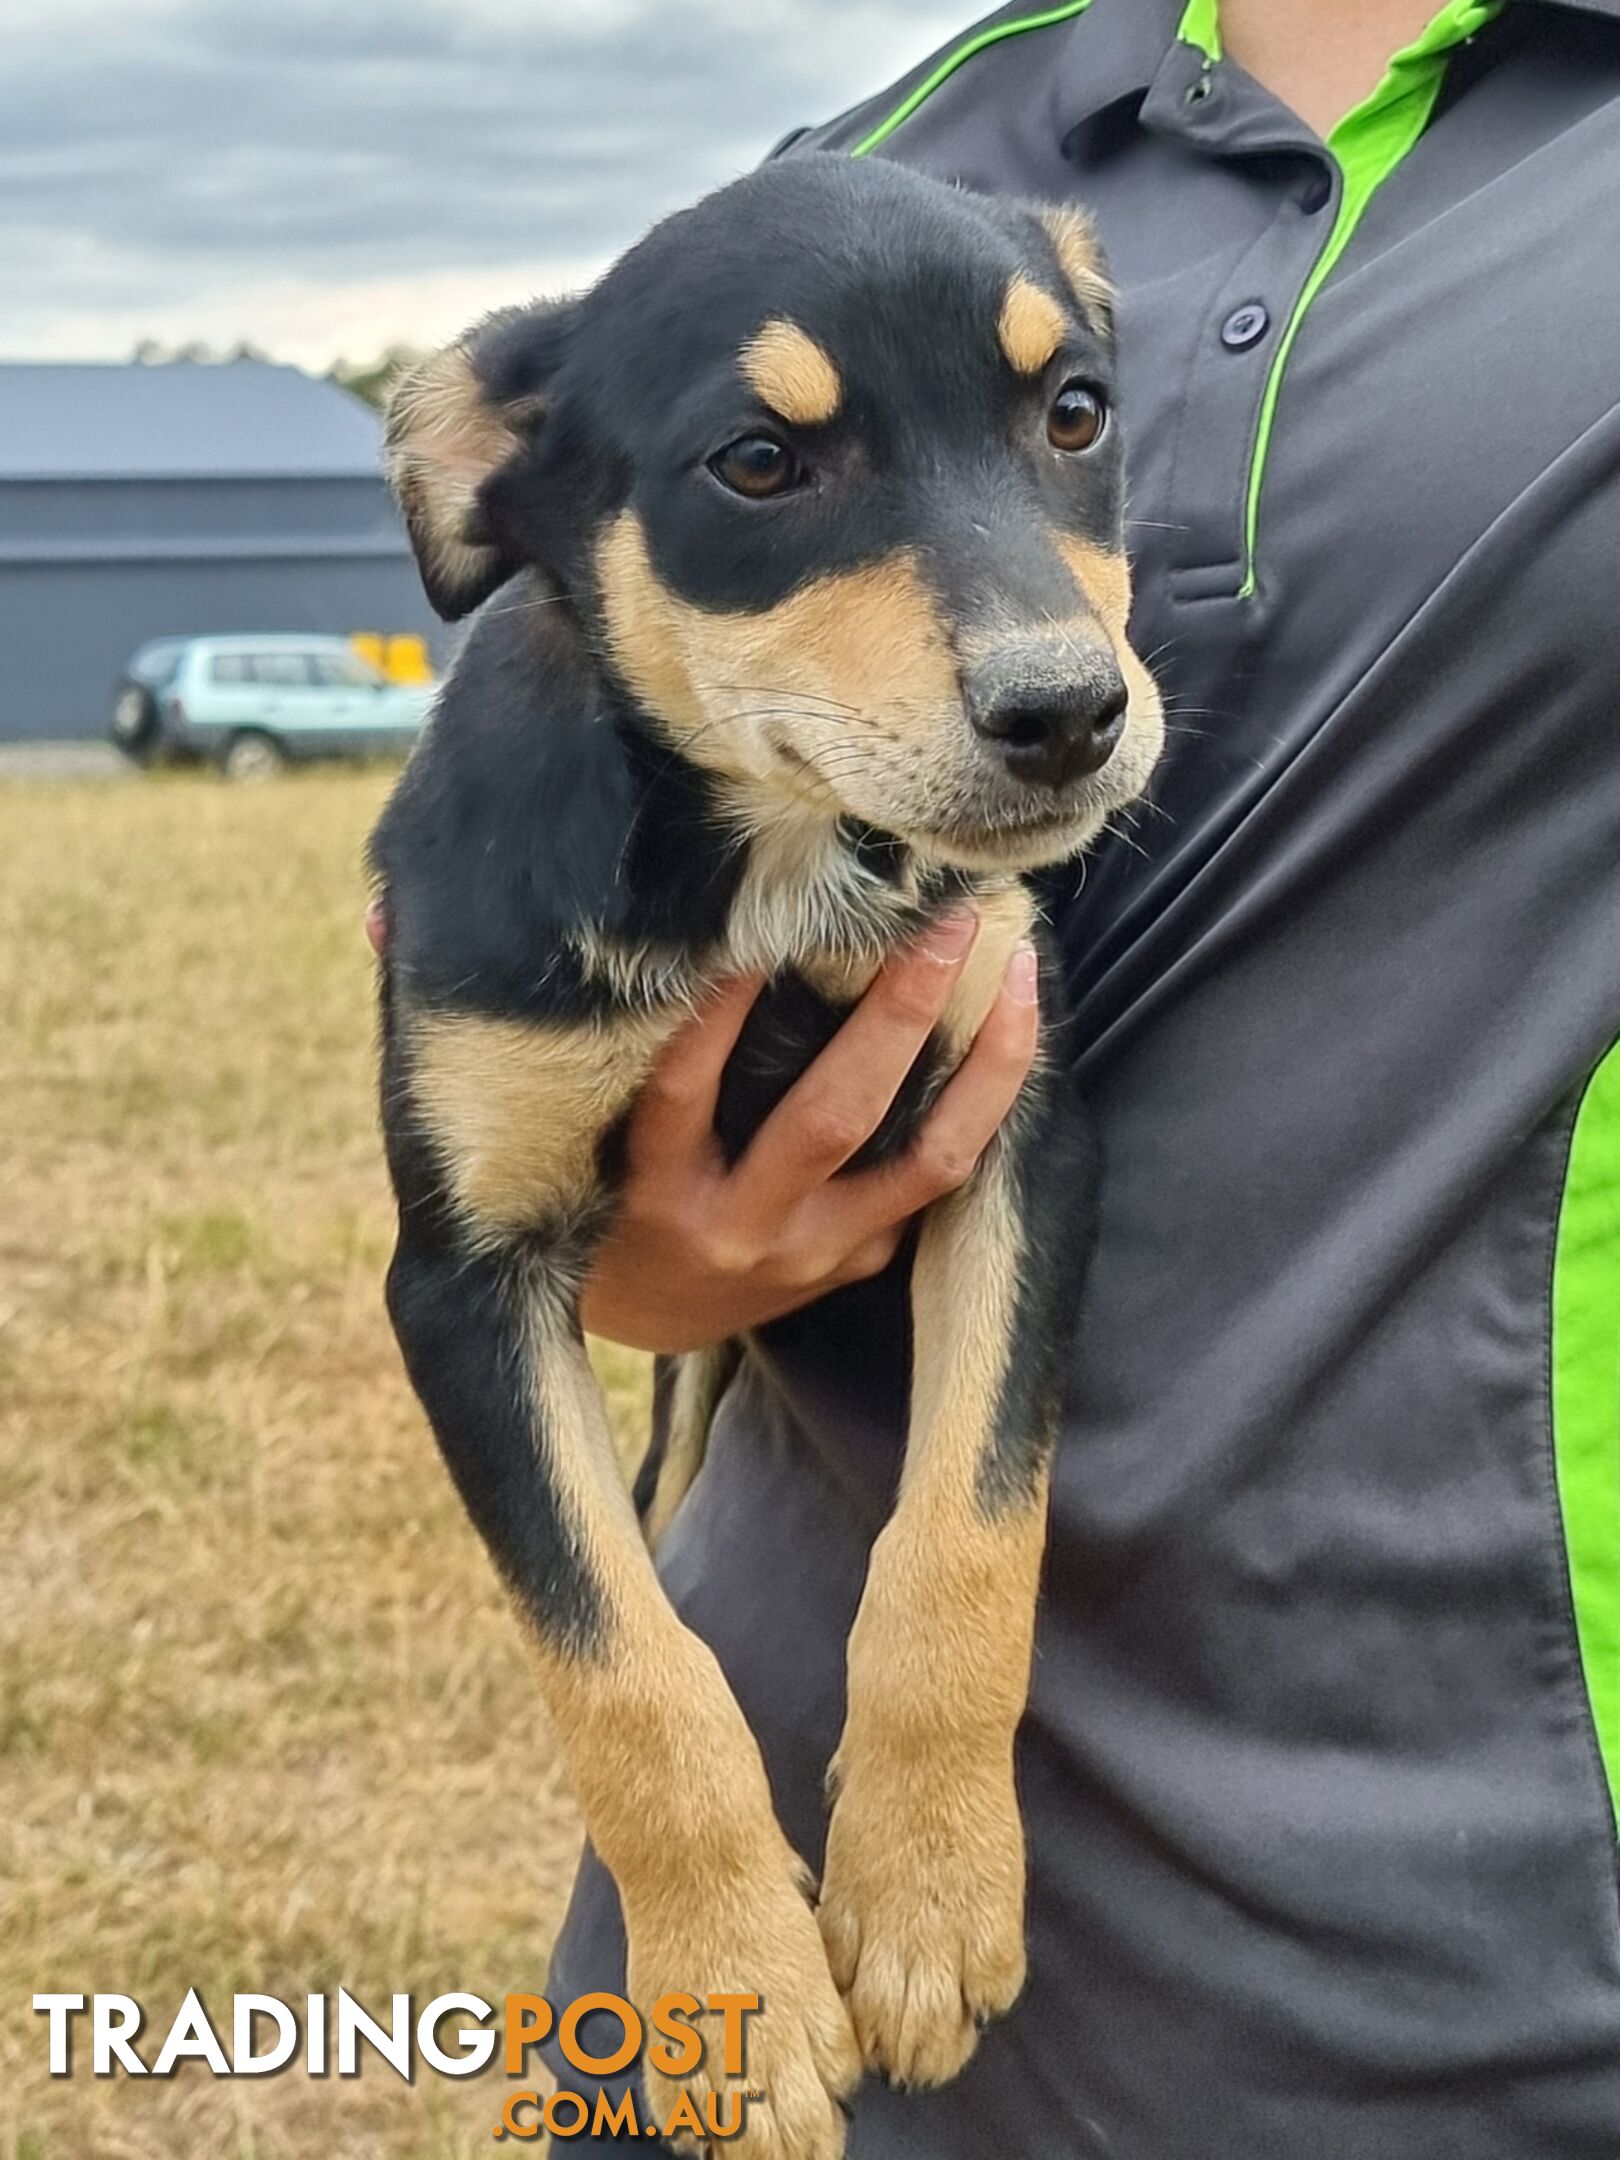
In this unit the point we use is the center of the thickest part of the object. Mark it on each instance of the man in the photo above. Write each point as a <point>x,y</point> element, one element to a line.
<point>1325,1731</point>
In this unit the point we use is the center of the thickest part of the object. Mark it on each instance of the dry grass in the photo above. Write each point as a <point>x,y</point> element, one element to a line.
<point>265,1722</point>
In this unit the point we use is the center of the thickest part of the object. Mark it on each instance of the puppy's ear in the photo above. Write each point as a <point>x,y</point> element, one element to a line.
<point>452,424</point>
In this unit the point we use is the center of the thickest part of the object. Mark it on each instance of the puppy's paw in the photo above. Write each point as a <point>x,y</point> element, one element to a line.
<point>922,1906</point>
<point>755,1936</point>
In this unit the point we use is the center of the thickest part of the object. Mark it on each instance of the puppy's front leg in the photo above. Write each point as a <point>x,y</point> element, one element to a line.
<point>922,1901</point>
<point>668,1775</point>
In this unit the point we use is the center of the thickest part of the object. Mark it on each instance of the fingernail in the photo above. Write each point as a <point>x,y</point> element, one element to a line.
<point>948,939</point>
<point>1024,976</point>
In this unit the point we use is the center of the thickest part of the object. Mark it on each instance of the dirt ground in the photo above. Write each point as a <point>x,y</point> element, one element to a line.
<point>265,1721</point>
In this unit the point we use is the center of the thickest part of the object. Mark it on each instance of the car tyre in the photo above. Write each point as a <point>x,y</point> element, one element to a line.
<point>252,755</point>
<point>137,725</point>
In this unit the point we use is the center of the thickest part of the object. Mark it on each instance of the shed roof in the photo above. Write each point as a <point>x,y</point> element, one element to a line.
<point>180,419</point>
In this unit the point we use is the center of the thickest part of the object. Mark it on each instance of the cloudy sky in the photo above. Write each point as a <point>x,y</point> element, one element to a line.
<point>324,177</point>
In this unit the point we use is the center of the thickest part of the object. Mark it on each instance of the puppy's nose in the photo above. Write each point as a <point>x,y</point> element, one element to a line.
<point>1058,732</point>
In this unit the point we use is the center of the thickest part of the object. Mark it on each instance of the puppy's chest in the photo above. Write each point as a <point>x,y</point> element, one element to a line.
<point>819,928</point>
<point>830,921</point>
<point>804,899</point>
<point>826,908</point>
<point>519,1111</point>
<point>814,900</point>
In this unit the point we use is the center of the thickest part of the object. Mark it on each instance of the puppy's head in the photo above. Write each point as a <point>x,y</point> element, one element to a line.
<point>828,469</point>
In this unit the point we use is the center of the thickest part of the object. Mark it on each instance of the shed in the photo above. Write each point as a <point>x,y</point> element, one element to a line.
<point>181,499</point>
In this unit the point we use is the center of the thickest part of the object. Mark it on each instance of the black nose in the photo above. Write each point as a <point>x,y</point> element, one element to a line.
<point>1057,733</point>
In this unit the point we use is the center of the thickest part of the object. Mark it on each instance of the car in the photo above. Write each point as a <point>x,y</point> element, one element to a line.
<point>251,705</point>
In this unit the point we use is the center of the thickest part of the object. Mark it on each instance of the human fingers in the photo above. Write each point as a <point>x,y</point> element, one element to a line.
<point>835,1106</point>
<point>969,1112</point>
<point>673,1117</point>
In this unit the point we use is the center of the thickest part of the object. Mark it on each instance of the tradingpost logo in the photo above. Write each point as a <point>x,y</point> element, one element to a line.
<point>454,2036</point>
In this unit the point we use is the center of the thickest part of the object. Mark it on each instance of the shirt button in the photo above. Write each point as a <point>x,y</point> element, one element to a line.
<point>1245,326</point>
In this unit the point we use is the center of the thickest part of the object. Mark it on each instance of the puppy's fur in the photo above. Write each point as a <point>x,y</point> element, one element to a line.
<point>732,707</point>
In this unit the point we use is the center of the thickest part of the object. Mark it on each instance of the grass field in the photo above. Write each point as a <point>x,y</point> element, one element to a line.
<point>265,1721</point>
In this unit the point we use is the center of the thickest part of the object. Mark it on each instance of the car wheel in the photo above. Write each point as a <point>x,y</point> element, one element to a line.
<point>252,756</point>
<point>135,723</point>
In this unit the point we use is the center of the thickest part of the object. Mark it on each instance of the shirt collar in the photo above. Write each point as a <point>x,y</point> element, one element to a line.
<point>1117,49</point>
<point>1113,52</point>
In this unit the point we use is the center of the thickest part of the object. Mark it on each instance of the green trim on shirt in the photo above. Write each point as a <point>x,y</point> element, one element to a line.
<point>1201,26</point>
<point>1586,1396</point>
<point>963,53</point>
<point>1368,143</point>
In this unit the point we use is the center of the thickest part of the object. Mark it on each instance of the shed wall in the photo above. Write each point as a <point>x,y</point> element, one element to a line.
<point>89,571</point>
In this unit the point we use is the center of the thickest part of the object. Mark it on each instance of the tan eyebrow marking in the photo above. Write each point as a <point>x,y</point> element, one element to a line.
<point>1031,326</point>
<point>792,373</point>
<point>1076,248</point>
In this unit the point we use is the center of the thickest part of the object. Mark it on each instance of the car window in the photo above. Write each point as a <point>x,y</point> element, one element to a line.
<point>230,667</point>
<point>342,671</point>
<point>156,665</point>
<point>280,670</point>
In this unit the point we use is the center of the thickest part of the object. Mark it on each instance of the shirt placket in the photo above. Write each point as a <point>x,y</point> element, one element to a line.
<point>1220,113</point>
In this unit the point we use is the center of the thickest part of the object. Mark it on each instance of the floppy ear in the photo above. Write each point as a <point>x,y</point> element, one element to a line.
<point>452,424</point>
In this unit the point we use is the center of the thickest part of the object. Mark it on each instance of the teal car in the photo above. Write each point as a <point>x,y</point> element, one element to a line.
<point>251,705</point>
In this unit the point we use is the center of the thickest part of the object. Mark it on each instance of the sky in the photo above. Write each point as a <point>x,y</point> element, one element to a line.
<point>329,177</point>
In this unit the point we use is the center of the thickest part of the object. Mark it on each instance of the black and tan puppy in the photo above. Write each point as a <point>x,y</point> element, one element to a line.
<point>806,530</point>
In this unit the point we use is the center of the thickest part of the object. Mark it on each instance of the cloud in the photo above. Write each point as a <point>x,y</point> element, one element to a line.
<point>322,179</point>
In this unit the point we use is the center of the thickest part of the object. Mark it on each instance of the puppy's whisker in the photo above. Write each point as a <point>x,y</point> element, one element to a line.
<point>1065,637</point>
<point>781,712</point>
<point>528,607</point>
<point>808,714</point>
<point>1123,829</point>
<point>1151,659</point>
<point>781,690</point>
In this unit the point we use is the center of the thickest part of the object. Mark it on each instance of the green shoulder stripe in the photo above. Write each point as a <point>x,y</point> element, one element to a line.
<point>963,53</point>
<point>1586,1396</point>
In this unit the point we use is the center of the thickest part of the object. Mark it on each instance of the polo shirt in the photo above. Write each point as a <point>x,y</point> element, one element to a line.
<point>1321,1759</point>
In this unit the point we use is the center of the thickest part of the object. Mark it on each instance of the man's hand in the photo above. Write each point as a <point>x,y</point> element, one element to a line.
<point>698,1251</point>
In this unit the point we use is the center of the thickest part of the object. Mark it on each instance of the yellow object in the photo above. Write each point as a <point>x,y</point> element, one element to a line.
<point>407,660</point>
<point>402,657</point>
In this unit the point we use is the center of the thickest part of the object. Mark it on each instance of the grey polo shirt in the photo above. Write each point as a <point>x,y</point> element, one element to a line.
<point>1325,1731</point>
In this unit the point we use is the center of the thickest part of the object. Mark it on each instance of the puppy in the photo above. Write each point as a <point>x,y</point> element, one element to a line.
<point>804,535</point>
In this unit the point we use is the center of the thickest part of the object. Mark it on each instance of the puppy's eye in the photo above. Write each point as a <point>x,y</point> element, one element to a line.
<point>1077,418</point>
<point>757,466</point>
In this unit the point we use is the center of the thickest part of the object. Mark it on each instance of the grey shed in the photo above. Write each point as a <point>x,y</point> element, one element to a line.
<point>176,500</point>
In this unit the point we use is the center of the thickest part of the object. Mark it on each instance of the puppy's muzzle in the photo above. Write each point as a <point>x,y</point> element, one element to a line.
<point>1047,727</point>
